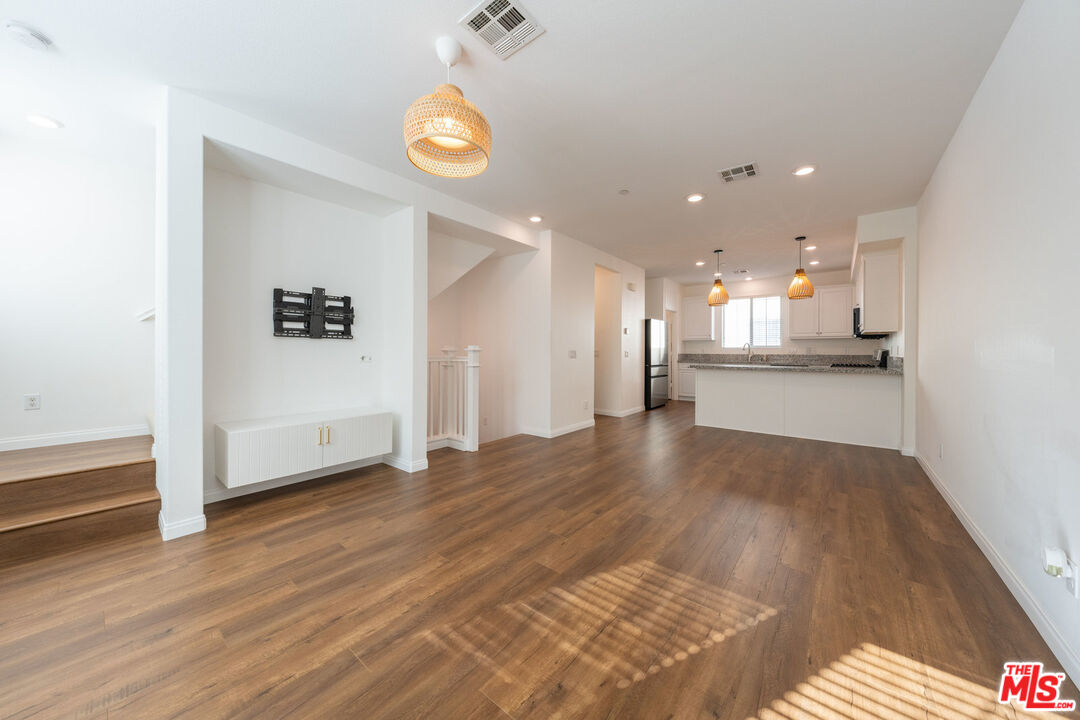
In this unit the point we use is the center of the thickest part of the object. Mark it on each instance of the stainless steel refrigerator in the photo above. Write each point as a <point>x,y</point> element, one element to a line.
<point>656,363</point>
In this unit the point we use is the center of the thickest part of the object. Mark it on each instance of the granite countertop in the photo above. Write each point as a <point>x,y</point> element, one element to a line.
<point>799,368</point>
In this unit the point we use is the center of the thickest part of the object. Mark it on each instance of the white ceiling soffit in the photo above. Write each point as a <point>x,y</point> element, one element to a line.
<point>244,163</point>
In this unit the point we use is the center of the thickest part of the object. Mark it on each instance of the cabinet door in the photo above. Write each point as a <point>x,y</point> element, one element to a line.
<point>697,319</point>
<point>268,453</point>
<point>803,317</point>
<point>356,438</point>
<point>834,315</point>
<point>686,383</point>
<point>881,292</point>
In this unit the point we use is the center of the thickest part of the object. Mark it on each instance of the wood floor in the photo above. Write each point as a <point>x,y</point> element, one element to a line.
<point>644,569</point>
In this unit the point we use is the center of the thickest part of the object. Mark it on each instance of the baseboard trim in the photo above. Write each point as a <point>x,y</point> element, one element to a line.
<point>409,466</point>
<point>219,492</point>
<point>74,436</point>
<point>180,528</point>
<point>445,442</point>
<point>560,431</point>
<point>1068,658</point>
<point>907,451</point>
<point>620,413</point>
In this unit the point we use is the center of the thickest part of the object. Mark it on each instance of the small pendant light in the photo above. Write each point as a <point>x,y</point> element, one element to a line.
<point>718,295</point>
<point>445,134</point>
<point>800,287</point>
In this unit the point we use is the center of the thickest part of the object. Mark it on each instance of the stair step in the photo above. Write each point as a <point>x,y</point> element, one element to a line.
<point>68,510</point>
<point>63,497</point>
<point>36,463</point>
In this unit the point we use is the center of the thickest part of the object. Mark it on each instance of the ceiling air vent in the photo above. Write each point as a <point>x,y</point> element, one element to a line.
<point>503,25</point>
<point>738,172</point>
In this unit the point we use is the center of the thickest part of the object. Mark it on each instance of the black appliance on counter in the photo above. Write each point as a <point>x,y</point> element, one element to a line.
<point>656,363</point>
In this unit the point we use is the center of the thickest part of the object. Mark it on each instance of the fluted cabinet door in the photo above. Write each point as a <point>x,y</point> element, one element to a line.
<point>356,438</point>
<point>274,452</point>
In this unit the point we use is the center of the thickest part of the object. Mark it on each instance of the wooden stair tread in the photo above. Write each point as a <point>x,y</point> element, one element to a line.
<point>79,509</point>
<point>36,463</point>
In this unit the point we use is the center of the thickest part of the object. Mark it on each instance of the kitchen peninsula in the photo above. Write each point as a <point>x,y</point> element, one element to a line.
<point>800,396</point>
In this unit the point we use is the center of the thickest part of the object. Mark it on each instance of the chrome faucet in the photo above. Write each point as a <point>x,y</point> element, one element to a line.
<point>749,351</point>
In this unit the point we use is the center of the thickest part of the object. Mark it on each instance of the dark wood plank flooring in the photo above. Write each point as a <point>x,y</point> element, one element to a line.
<point>643,569</point>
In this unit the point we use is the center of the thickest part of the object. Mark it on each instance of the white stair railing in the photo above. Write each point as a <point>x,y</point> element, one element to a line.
<point>454,400</point>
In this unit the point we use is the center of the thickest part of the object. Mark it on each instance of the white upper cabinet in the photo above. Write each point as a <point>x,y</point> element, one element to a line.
<point>835,317</point>
<point>825,315</point>
<point>803,317</point>
<point>879,291</point>
<point>697,319</point>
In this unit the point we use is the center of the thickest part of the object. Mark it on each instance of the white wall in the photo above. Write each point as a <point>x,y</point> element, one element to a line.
<point>998,342</point>
<point>259,237</point>
<point>572,317</point>
<point>607,345</point>
<point>661,294</point>
<point>778,286</point>
<point>78,255</point>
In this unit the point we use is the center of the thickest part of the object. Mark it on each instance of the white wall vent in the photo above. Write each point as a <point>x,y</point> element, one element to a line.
<point>503,25</point>
<point>738,172</point>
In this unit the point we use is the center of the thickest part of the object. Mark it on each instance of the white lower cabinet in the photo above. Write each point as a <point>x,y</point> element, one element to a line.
<point>686,382</point>
<point>253,451</point>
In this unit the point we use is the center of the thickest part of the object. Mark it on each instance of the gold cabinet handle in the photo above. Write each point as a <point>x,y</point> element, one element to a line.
<point>327,434</point>
<point>320,435</point>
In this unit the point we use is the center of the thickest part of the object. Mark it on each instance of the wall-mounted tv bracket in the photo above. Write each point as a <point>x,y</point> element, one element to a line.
<point>314,314</point>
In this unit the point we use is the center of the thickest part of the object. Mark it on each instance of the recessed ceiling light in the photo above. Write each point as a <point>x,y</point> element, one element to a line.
<point>624,191</point>
<point>699,263</point>
<point>748,279</point>
<point>695,197</point>
<point>44,121</point>
<point>815,262</point>
<point>810,247</point>
<point>803,170</point>
<point>535,218</point>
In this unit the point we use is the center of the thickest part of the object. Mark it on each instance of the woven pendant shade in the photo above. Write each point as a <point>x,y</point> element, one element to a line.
<point>718,295</point>
<point>447,135</point>
<point>800,287</point>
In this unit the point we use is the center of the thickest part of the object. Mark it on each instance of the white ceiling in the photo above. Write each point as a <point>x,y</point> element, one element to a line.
<point>650,96</point>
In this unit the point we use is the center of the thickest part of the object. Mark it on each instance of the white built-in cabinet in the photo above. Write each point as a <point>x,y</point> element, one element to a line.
<point>687,377</point>
<point>697,319</point>
<point>878,291</point>
<point>825,315</point>
<point>253,451</point>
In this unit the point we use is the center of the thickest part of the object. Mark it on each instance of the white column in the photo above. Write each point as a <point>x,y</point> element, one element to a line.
<point>178,277</point>
<point>472,398</point>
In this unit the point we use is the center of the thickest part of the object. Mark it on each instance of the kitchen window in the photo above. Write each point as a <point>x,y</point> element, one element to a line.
<point>752,320</point>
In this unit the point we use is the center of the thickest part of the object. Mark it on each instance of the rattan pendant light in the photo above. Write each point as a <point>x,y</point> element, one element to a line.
<point>445,134</point>
<point>800,288</point>
<point>718,295</point>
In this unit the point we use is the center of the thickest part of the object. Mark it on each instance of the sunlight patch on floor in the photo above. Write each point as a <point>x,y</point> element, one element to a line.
<point>615,627</point>
<point>871,683</point>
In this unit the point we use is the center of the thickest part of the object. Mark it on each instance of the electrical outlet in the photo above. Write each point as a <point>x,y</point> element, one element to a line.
<point>626,353</point>
<point>1071,584</point>
<point>485,422</point>
<point>572,354</point>
<point>32,402</point>
<point>586,404</point>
